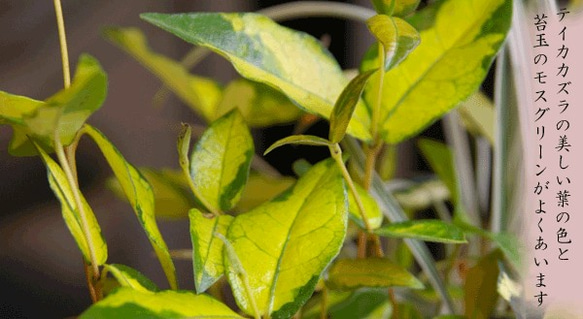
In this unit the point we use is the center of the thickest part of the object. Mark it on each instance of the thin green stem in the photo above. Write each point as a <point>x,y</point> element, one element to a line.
<point>377,107</point>
<point>63,41</point>
<point>336,153</point>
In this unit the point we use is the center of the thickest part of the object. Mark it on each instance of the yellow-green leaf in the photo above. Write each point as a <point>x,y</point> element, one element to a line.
<point>373,212</point>
<point>170,188</point>
<point>129,277</point>
<point>285,244</point>
<point>128,303</point>
<point>429,230</point>
<point>207,250</point>
<point>139,193</point>
<point>478,115</point>
<point>480,287</point>
<point>261,188</point>
<point>259,104</point>
<point>60,186</point>
<point>459,40</point>
<point>298,139</point>
<point>66,111</point>
<point>200,94</point>
<point>220,161</point>
<point>345,105</point>
<point>398,8</point>
<point>370,272</point>
<point>261,50</point>
<point>397,37</point>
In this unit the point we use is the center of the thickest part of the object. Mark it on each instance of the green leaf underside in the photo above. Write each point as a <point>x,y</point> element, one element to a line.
<point>207,250</point>
<point>397,8</point>
<point>345,105</point>
<point>220,161</point>
<point>261,50</point>
<point>171,193</point>
<point>458,43</point>
<point>200,94</point>
<point>127,303</point>
<point>480,287</point>
<point>140,196</point>
<point>129,277</point>
<point>66,111</point>
<point>299,139</point>
<point>261,188</point>
<point>428,230</point>
<point>259,104</point>
<point>285,244</point>
<point>370,272</point>
<point>373,212</point>
<point>397,37</point>
<point>60,186</point>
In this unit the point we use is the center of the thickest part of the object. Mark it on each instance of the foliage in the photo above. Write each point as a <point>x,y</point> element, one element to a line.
<point>283,245</point>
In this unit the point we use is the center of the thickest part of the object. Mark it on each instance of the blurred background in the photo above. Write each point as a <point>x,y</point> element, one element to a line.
<point>41,269</point>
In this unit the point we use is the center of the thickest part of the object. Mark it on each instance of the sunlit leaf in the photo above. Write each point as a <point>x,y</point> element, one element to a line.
<point>459,40</point>
<point>171,197</point>
<point>66,111</point>
<point>397,37</point>
<point>398,8</point>
<point>220,161</point>
<point>477,113</point>
<point>370,272</point>
<point>200,94</point>
<point>263,51</point>
<point>285,244</point>
<point>139,193</point>
<point>345,105</point>
<point>129,277</point>
<point>373,212</point>
<point>298,139</point>
<point>207,250</point>
<point>132,304</point>
<point>480,287</point>
<point>261,188</point>
<point>259,104</point>
<point>429,230</point>
<point>60,186</point>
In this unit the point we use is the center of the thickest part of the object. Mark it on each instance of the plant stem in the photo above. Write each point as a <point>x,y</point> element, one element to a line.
<point>324,303</point>
<point>336,153</point>
<point>377,107</point>
<point>63,42</point>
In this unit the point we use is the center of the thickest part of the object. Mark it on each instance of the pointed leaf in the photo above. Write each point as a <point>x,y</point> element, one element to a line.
<point>207,250</point>
<point>60,186</point>
<point>66,111</point>
<point>370,272</point>
<point>345,105</point>
<point>131,278</point>
<point>397,8</point>
<point>263,51</point>
<point>458,43</point>
<point>298,139</point>
<point>285,244</point>
<point>261,188</point>
<point>480,287</point>
<point>220,161</point>
<point>139,193</point>
<point>478,115</point>
<point>131,304</point>
<point>397,37</point>
<point>259,104</point>
<point>200,94</point>
<point>373,212</point>
<point>429,230</point>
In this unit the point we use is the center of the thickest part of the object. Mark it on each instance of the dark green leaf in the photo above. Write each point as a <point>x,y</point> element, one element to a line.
<point>371,272</point>
<point>480,287</point>
<point>363,304</point>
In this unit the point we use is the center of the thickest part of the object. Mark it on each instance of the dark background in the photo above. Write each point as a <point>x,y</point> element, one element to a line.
<point>41,272</point>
